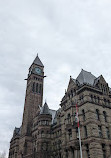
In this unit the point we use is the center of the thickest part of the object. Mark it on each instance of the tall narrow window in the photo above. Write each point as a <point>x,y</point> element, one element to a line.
<point>77,134</point>
<point>104,150</point>
<point>98,100</point>
<point>69,118</point>
<point>97,114</point>
<point>94,98</point>
<point>105,117</point>
<point>71,93</point>
<point>70,133</point>
<point>33,87</point>
<point>42,133</point>
<point>83,113</point>
<point>40,88</point>
<point>100,131</point>
<point>107,132</point>
<point>105,101</point>
<point>82,98</point>
<point>91,98</point>
<point>37,88</point>
<point>110,149</point>
<point>87,151</point>
<point>85,130</point>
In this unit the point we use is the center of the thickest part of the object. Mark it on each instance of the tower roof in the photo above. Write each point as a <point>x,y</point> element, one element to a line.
<point>86,77</point>
<point>37,61</point>
<point>45,109</point>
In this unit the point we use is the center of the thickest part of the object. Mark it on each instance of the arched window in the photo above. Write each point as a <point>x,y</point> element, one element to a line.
<point>37,88</point>
<point>33,87</point>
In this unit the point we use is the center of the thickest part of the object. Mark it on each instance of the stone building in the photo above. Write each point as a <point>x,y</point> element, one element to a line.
<point>46,133</point>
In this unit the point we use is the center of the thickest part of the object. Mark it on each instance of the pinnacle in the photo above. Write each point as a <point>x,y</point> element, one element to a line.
<point>37,61</point>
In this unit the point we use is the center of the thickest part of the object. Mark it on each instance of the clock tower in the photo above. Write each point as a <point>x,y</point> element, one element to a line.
<point>34,94</point>
<point>33,101</point>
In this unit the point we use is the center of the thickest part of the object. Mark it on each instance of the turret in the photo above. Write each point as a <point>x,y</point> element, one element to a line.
<point>44,131</point>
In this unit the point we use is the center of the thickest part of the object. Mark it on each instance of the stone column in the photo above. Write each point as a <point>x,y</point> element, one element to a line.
<point>75,154</point>
<point>108,152</point>
<point>104,132</point>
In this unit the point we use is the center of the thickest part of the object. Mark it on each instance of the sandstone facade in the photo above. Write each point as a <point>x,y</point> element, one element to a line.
<point>46,133</point>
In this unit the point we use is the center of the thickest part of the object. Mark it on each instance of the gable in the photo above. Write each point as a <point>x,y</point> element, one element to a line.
<point>72,84</point>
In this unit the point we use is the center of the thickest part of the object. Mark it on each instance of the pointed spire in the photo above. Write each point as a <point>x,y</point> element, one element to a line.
<point>45,109</point>
<point>37,61</point>
<point>46,101</point>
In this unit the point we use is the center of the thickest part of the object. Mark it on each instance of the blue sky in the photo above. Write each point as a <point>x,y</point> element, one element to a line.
<point>68,35</point>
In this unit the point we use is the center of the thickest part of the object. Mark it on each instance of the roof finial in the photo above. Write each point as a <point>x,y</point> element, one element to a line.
<point>37,61</point>
<point>65,91</point>
<point>45,100</point>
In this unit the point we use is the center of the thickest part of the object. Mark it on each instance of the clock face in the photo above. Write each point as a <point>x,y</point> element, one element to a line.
<point>38,70</point>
